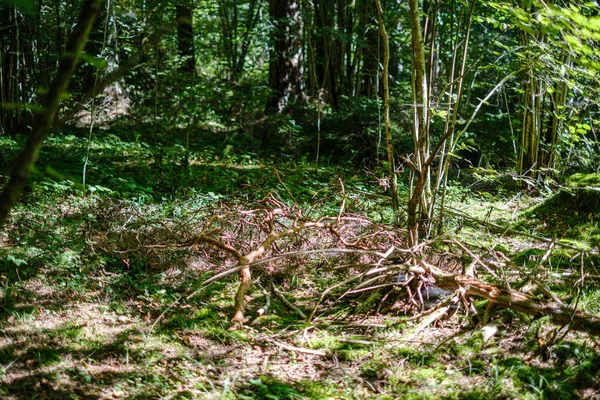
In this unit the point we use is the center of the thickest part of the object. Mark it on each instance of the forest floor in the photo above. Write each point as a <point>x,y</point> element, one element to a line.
<point>102,295</point>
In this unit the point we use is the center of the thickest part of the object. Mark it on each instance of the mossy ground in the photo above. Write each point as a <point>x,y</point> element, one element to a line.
<point>86,313</point>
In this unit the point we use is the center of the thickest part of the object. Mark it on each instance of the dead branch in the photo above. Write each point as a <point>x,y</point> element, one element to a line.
<point>245,261</point>
<point>508,298</point>
<point>287,302</point>
<point>322,353</point>
<point>501,296</point>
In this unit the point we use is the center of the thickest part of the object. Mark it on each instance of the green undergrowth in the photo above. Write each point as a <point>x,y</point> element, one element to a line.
<point>89,310</point>
<point>125,166</point>
<point>568,216</point>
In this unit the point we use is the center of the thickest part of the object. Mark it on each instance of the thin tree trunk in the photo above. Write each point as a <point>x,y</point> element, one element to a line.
<point>454,105</point>
<point>420,132</point>
<point>43,121</point>
<point>58,28</point>
<point>386,111</point>
<point>558,98</point>
<point>286,66</point>
<point>251,19</point>
<point>371,55</point>
<point>530,124</point>
<point>185,35</point>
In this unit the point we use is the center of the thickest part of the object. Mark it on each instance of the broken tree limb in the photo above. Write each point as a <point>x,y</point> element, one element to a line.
<point>508,298</point>
<point>245,261</point>
<point>512,299</point>
<point>287,302</point>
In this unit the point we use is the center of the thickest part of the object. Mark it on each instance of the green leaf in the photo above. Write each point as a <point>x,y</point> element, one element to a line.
<point>98,63</point>
<point>17,261</point>
<point>573,41</point>
<point>26,6</point>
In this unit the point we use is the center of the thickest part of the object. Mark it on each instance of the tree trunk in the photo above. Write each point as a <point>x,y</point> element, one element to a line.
<point>371,51</point>
<point>345,47</point>
<point>10,89</point>
<point>558,99</point>
<point>417,202</point>
<point>530,128</point>
<point>185,35</point>
<point>43,122</point>
<point>386,111</point>
<point>286,69</point>
<point>327,51</point>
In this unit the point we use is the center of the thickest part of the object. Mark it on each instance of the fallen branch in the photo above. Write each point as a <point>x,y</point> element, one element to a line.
<point>508,298</point>
<point>204,284</point>
<point>287,302</point>
<point>322,353</point>
<point>245,261</point>
<point>264,309</point>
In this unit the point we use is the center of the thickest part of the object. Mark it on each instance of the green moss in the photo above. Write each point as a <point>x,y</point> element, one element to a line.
<point>431,375</point>
<point>352,354</point>
<point>373,369</point>
<point>583,180</point>
<point>325,341</point>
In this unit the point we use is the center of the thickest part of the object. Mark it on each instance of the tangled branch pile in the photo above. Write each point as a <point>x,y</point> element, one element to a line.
<point>270,238</point>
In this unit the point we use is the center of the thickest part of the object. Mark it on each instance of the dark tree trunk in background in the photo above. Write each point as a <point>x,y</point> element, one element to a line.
<point>12,70</point>
<point>328,62</point>
<point>371,50</point>
<point>20,66</point>
<point>8,79</point>
<point>286,69</point>
<point>346,24</point>
<point>59,35</point>
<point>185,35</point>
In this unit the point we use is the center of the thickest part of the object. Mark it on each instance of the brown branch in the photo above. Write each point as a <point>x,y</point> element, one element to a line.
<point>508,298</point>
<point>215,242</point>
<point>246,275</point>
<point>514,300</point>
<point>287,302</point>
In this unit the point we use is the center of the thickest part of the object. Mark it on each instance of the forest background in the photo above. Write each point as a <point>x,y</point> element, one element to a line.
<point>343,158</point>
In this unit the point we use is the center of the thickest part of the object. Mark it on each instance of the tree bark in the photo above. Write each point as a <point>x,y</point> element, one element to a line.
<point>420,127</point>
<point>512,299</point>
<point>286,69</point>
<point>508,298</point>
<point>43,121</point>
<point>185,35</point>
<point>371,51</point>
<point>386,111</point>
<point>10,72</point>
<point>327,51</point>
